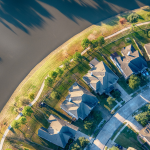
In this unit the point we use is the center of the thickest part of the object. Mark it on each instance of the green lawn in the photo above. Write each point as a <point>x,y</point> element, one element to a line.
<point>128,138</point>
<point>103,101</point>
<point>94,117</point>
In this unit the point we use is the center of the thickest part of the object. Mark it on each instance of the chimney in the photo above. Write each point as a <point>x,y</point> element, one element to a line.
<point>69,99</point>
<point>128,53</point>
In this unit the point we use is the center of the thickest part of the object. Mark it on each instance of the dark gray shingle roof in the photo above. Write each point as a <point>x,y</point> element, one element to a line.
<point>59,131</point>
<point>101,78</point>
<point>82,101</point>
<point>131,62</point>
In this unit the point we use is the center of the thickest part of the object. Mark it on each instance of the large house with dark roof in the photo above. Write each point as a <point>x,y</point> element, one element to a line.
<point>147,49</point>
<point>131,61</point>
<point>79,102</point>
<point>59,131</point>
<point>100,78</point>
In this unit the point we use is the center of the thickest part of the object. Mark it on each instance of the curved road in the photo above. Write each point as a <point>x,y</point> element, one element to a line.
<point>31,29</point>
<point>123,114</point>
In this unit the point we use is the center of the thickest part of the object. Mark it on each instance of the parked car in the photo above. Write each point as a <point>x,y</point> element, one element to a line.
<point>119,146</point>
<point>143,73</point>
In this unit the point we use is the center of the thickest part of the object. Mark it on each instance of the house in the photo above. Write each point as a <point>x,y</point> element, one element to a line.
<point>59,131</point>
<point>79,102</point>
<point>131,61</point>
<point>145,133</point>
<point>147,49</point>
<point>100,78</point>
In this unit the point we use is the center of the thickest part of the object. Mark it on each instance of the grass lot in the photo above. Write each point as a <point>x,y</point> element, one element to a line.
<point>104,103</point>
<point>94,117</point>
<point>115,133</point>
<point>35,78</point>
<point>128,138</point>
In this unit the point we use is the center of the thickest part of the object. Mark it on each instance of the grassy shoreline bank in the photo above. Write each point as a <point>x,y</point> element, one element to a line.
<point>35,78</point>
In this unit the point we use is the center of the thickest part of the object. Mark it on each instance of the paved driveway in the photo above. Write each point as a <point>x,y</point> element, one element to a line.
<point>121,115</point>
<point>31,29</point>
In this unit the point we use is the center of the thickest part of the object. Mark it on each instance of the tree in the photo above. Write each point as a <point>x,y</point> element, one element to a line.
<point>60,71</point>
<point>55,95</point>
<point>15,124</point>
<point>110,100</point>
<point>31,96</point>
<point>132,18</point>
<point>76,147</point>
<point>94,43</point>
<point>77,56</point>
<point>49,81</point>
<point>116,94</point>
<point>143,118</point>
<point>66,63</point>
<point>114,148</point>
<point>134,81</point>
<point>88,124</point>
<point>122,21</point>
<point>100,40</point>
<point>85,43</point>
<point>53,74</point>
<point>23,120</point>
<point>27,111</point>
<point>83,141</point>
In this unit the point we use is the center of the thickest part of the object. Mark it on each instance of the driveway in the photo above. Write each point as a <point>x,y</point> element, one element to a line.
<point>120,116</point>
<point>124,95</point>
<point>31,29</point>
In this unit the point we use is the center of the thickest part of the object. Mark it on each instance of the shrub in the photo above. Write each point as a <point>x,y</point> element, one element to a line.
<point>94,43</point>
<point>49,82</point>
<point>122,21</point>
<point>53,74</point>
<point>25,102</point>
<point>110,100</point>
<point>66,63</point>
<point>15,124</point>
<point>60,71</point>
<point>134,81</point>
<point>114,148</point>
<point>23,120</point>
<point>100,40</point>
<point>116,94</point>
<point>31,96</point>
<point>88,124</point>
<point>85,43</point>
<point>77,56</point>
<point>76,147</point>
<point>143,118</point>
<point>148,34</point>
<point>83,141</point>
<point>55,95</point>
<point>132,18</point>
<point>27,111</point>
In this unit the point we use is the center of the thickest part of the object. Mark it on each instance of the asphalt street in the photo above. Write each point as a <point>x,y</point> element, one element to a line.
<point>123,114</point>
<point>31,29</point>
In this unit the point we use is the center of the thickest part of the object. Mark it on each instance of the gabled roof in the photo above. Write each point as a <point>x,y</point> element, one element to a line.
<point>59,131</point>
<point>147,47</point>
<point>79,102</point>
<point>100,77</point>
<point>131,62</point>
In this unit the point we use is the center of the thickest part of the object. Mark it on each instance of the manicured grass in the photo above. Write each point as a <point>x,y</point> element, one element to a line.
<point>103,101</point>
<point>94,117</point>
<point>128,138</point>
<point>122,82</point>
<point>115,133</point>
